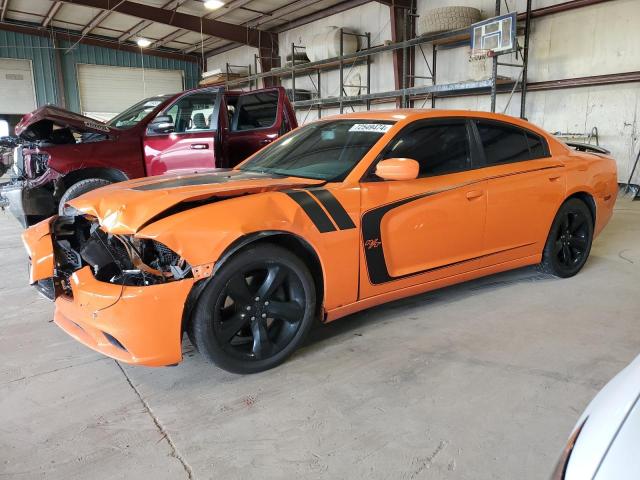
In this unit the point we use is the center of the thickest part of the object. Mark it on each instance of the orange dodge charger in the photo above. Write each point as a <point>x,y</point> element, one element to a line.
<point>340,215</point>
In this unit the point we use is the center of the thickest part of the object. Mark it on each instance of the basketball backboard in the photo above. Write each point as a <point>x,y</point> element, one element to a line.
<point>494,36</point>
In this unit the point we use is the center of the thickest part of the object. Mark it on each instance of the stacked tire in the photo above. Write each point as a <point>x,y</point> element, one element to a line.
<point>444,19</point>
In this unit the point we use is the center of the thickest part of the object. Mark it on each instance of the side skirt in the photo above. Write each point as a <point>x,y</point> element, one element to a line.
<point>363,304</point>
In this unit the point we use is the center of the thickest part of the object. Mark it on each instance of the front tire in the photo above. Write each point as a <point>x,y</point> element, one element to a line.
<point>569,241</point>
<point>77,189</point>
<point>256,310</point>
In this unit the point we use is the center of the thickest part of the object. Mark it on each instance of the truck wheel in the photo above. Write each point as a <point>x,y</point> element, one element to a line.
<point>77,189</point>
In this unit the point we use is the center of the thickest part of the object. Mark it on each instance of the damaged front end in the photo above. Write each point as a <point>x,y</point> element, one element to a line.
<point>80,241</point>
<point>117,294</point>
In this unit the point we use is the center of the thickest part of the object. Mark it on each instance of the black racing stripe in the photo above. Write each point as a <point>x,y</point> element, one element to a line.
<point>334,207</point>
<point>224,176</point>
<point>313,210</point>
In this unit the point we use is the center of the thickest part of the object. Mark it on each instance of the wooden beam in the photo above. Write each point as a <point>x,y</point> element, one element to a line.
<point>51,14</point>
<point>3,9</point>
<point>227,31</point>
<point>98,42</point>
<point>95,22</point>
<point>169,38</point>
<point>138,27</point>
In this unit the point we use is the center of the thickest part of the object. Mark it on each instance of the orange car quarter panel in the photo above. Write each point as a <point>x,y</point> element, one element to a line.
<point>523,198</point>
<point>145,321</point>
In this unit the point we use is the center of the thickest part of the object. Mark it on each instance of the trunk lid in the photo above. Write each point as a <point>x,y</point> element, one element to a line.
<point>126,207</point>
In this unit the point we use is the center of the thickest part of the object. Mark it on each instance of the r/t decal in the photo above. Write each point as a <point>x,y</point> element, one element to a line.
<point>372,243</point>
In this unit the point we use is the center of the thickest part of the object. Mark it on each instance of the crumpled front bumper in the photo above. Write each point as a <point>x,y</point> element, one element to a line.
<point>138,325</point>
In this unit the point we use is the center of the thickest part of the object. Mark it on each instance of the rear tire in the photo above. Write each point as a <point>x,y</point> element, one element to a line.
<point>569,241</point>
<point>256,310</point>
<point>77,189</point>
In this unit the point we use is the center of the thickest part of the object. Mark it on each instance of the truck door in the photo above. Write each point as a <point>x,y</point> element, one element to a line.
<point>181,137</point>
<point>254,119</point>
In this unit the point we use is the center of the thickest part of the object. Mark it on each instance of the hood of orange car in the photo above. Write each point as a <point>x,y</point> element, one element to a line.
<point>124,208</point>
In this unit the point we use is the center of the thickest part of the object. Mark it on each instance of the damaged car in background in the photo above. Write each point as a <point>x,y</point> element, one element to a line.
<point>65,154</point>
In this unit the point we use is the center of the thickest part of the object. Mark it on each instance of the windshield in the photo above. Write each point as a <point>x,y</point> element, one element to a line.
<point>323,150</point>
<point>132,115</point>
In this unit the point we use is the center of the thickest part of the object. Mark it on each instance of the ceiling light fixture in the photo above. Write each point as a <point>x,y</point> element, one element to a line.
<point>143,42</point>
<point>213,4</point>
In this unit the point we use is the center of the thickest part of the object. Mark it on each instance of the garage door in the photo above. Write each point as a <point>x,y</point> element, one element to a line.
<point>17,94</point>
<point>106,91</point>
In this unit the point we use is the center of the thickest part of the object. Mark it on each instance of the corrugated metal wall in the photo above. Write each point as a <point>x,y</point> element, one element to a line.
<point>39,50</point>
<point>82,53</point>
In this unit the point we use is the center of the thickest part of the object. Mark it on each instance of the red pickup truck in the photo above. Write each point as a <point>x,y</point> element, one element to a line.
<point>65,154</point>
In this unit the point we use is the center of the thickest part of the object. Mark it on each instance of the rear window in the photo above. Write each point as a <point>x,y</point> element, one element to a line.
<point>505,143</point>
<point>257,110</point>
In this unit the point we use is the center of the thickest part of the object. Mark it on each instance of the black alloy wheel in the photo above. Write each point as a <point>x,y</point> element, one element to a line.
<point>569,241</point>
<point>255,311</point>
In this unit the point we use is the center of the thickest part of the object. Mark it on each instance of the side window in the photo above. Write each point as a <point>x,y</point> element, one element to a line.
<point>505,143</point>
<point>439,147</point>
<point>193,113</point>
<point>255,110</point>
<point>537,146</point>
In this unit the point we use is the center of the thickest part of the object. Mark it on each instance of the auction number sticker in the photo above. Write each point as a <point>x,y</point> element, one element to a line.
<point>371,127</point>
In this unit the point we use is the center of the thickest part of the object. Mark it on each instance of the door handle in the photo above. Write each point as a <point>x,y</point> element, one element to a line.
<point>473,194</point>
<point>554,178</point>
<point>199,146</point>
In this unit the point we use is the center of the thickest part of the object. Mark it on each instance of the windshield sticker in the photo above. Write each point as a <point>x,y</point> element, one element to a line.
<point>152,103</point>
<point>96,126</point>
<point>371,127</point>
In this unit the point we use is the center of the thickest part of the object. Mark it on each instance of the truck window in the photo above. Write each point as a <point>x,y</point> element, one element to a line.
<point>256,110</point>
<point>193,113</point>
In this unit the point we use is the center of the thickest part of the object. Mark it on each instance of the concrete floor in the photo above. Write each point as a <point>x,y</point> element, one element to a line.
<point>483,380</point>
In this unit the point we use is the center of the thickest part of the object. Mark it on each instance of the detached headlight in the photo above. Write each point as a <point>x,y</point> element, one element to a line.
<point>561,467</point>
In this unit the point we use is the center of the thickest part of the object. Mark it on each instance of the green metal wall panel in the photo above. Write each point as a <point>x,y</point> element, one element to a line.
<point>39,50</point>
<point>90,54</point>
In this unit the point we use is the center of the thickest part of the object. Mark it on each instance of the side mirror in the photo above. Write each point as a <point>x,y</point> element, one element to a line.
<point>162,124</point>
<point>398,169</point>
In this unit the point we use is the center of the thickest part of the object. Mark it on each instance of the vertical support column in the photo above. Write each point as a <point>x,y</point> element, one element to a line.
<point>368,70</point>
<point>494,72</point>
<point>293,74</point>
<point>269,58</point>
<point>57,60</point>
<point>255,69</point>
<point>405,73</point>
<point>525,61</point>
<point>319,93</point>
<point>403,19</point>
<point>434,62</point>
<point>341,68</point>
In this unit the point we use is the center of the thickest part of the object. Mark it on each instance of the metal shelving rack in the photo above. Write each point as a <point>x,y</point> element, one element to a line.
<point>406,95</point>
